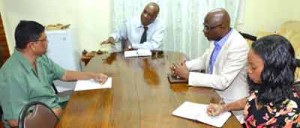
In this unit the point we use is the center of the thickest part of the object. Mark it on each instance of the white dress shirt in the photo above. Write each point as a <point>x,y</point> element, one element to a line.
<point>133,29</point>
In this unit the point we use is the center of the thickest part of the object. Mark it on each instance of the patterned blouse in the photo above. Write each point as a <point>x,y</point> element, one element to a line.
<point>287,115</point>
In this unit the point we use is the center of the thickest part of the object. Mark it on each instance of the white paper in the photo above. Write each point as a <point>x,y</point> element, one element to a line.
<point>198,112</point>
<point>92,84</point>
<point>144,52</point>
<point>133,53</point>
<point>139,52</point>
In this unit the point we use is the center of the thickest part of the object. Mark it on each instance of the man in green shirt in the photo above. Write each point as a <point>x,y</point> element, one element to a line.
<point>28,74</point>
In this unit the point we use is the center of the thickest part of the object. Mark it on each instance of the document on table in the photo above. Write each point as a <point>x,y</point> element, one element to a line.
<point>139,52</point>
<point>92,84</point>
<point>174,79</point>
<point>195,111</point>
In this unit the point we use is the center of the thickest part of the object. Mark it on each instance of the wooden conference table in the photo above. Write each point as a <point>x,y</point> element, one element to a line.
<point>140,97</point>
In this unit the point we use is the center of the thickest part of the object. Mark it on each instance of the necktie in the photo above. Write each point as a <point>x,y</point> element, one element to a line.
<point>211,62</point>
<point>144,35</point>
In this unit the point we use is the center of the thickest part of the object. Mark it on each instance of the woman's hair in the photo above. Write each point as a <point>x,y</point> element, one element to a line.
<point>277,76</point>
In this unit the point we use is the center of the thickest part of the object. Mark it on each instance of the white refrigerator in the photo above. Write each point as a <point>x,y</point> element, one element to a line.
<point>64,51</point>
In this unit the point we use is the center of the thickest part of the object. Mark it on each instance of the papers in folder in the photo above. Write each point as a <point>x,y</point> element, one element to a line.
<point>139,52</point>
<point>92,84</point>
<point>197,112</point>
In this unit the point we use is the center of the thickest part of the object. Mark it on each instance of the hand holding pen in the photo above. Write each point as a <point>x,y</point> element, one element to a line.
<point>216,109</point>
<point>99,77</point>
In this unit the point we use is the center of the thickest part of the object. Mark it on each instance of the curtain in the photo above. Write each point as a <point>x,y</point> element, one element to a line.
<point>183,20</point>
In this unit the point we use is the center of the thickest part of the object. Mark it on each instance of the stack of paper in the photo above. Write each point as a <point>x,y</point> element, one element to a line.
<point>92,84</point>
<point>139,52</point>
<point>198,112</point>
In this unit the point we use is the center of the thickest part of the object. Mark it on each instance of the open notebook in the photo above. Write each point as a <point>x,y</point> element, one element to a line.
<point>139,52</point>
<point>195,111</point>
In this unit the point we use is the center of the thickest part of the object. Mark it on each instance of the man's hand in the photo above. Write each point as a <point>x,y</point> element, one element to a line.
<point>110,40</point>
<point>180,70</point>
<point>99,77</point>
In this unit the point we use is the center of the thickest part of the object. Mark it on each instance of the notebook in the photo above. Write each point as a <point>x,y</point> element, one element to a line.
<point>92,84</point>
<point>174,79</point>
<point>195,111</point>
<point>139,52</point>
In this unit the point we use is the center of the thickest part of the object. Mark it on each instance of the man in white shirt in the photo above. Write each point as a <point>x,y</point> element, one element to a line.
<point>144,32</point>
<point>224,62</point>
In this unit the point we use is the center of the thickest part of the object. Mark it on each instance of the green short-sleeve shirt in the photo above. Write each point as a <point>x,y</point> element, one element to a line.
<point>20,84</point>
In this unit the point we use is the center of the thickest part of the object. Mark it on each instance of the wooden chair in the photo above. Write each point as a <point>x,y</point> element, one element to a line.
<point>37,115</point>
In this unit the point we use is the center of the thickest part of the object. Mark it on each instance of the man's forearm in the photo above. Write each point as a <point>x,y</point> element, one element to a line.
<point>74,75</point>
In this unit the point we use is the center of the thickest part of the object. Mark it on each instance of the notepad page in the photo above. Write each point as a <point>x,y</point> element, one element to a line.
<point>187,110</point>
<point>198,112</point>
<point>139,52</point>
<point>92,84</point>
<point>144,52</point>
<point>132,53</point>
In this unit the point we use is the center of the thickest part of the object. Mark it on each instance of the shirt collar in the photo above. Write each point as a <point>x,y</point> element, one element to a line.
<point>140,25</point>
<point>221,42</point>
<point>24,61</point>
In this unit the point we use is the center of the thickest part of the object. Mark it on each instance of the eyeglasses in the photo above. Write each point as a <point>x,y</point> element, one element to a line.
<point>42,40</point>
<point>207,28</point>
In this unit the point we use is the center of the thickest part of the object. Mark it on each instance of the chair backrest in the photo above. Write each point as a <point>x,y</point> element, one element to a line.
<point>298,62</point>
<point>37,115</point>
<point>296,87</point>
<point>1,112</point>
<point>249,38</point>
<point>54,88</point>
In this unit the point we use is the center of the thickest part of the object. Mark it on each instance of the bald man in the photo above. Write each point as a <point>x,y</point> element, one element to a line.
<point>224,61</point>
<point>144,32</point>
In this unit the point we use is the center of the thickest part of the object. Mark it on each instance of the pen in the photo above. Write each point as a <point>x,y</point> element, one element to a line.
<point>218,107</point>
<point>101,83</point>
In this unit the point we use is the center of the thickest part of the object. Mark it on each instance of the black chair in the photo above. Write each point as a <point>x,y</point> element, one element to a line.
<point>248,36</point>
<point>62,94</point>
<point>1,112</point>
<point>298,62</point>
<point>37,115</point>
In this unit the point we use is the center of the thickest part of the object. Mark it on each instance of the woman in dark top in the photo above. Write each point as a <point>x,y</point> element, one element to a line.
<point>271,101</point>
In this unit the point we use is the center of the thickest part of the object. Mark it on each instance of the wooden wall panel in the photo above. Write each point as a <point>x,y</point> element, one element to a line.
<point>4,51</point>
